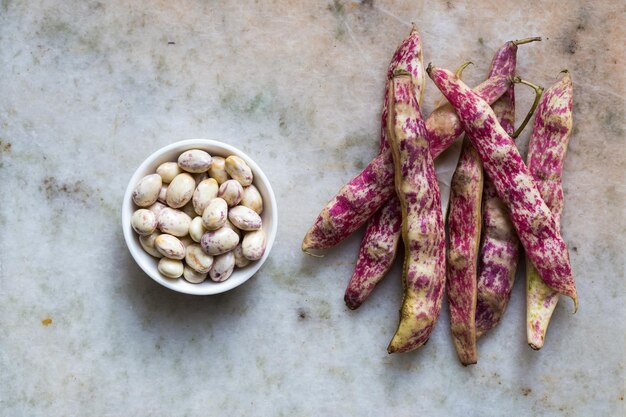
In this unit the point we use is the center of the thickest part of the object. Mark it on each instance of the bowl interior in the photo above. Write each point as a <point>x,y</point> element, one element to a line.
<point>149,263</point>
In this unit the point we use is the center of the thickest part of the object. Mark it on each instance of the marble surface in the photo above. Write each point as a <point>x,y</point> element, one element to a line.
<point>89,89</point>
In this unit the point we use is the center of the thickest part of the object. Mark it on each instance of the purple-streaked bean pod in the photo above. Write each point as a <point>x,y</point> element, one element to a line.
<point>546,153</point>
<point>382,234</point>
<point>360,198</point>
<point>499,249</point>
<point>464,222</point>
<point>376,253</point>
<point>535,225</point>
<point>422,220</point>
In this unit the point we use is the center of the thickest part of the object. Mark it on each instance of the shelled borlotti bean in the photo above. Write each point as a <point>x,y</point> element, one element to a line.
<point>200,216</point>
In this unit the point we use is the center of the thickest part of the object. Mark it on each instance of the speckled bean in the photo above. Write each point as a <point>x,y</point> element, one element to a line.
<point>180,190</point>
<point>147,190</point>
<point>162,194</point>
<point>170,268</point>
<point>252,199</point>
<point>232,227</point>
<point>147,243</point>
<point>244,218</point>
<point>231,191</point>
<point>215,214</point>
<point>218,169</point>
<point>204,193</point>
<point>193,276</point>
<point>168,170</point>
<point>223,266</point>
<point>253,245</point>
<point>219,241</point>
<point>157,208</point>
<point>195,161</point>
<point>169,246</point>
<point>144,222</point>
<point>174,222</point>
<point>196,229</point>
<point>197,259</point>
<point>240,260</point>
<point>239,170</point>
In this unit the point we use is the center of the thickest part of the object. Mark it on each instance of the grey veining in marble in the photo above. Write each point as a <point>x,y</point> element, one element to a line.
<point>88,89</point>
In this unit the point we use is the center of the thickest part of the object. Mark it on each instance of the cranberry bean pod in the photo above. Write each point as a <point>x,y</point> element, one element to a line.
<point>422,221</point>
<point>359,199</point>
<point>380,241</point>
<point>499,249</point>
<point>531,217</point>
<point>464,222</point>
<point>548,144</point>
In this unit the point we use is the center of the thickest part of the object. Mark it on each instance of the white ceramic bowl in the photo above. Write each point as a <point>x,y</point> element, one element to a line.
<point>149,263</point>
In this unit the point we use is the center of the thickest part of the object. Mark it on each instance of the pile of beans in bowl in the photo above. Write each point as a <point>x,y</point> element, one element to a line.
<point>200,216</point>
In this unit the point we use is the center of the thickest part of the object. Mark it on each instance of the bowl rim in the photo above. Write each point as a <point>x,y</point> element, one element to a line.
<point>135,248</point>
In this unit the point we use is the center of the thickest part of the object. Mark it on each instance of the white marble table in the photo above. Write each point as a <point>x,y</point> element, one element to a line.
<point>89,89</point>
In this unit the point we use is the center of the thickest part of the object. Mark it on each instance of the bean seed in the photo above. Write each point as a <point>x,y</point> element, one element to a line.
<point>204,193</point>
<point>197,259</point>
<point>223,266</point>
<point>174,222</point>
<point>194,161</point>
<point>147,190</point>
<point>180,190</point>
<point>147,243</point>
<point>196,229</point>
<point>253,245</point>
<point>215,214</point>
<point>219,241</point>
<point>168,170</point>
<point>193,276</point>
<point>239,170</point>
<point>244,218</point>
<point>218,169</point>
<point>169,246</point>
<point>144,222</point>
<point>252,199</point>
<point>240,260</point>
<point>231,191</point>
<point>170,268</point>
